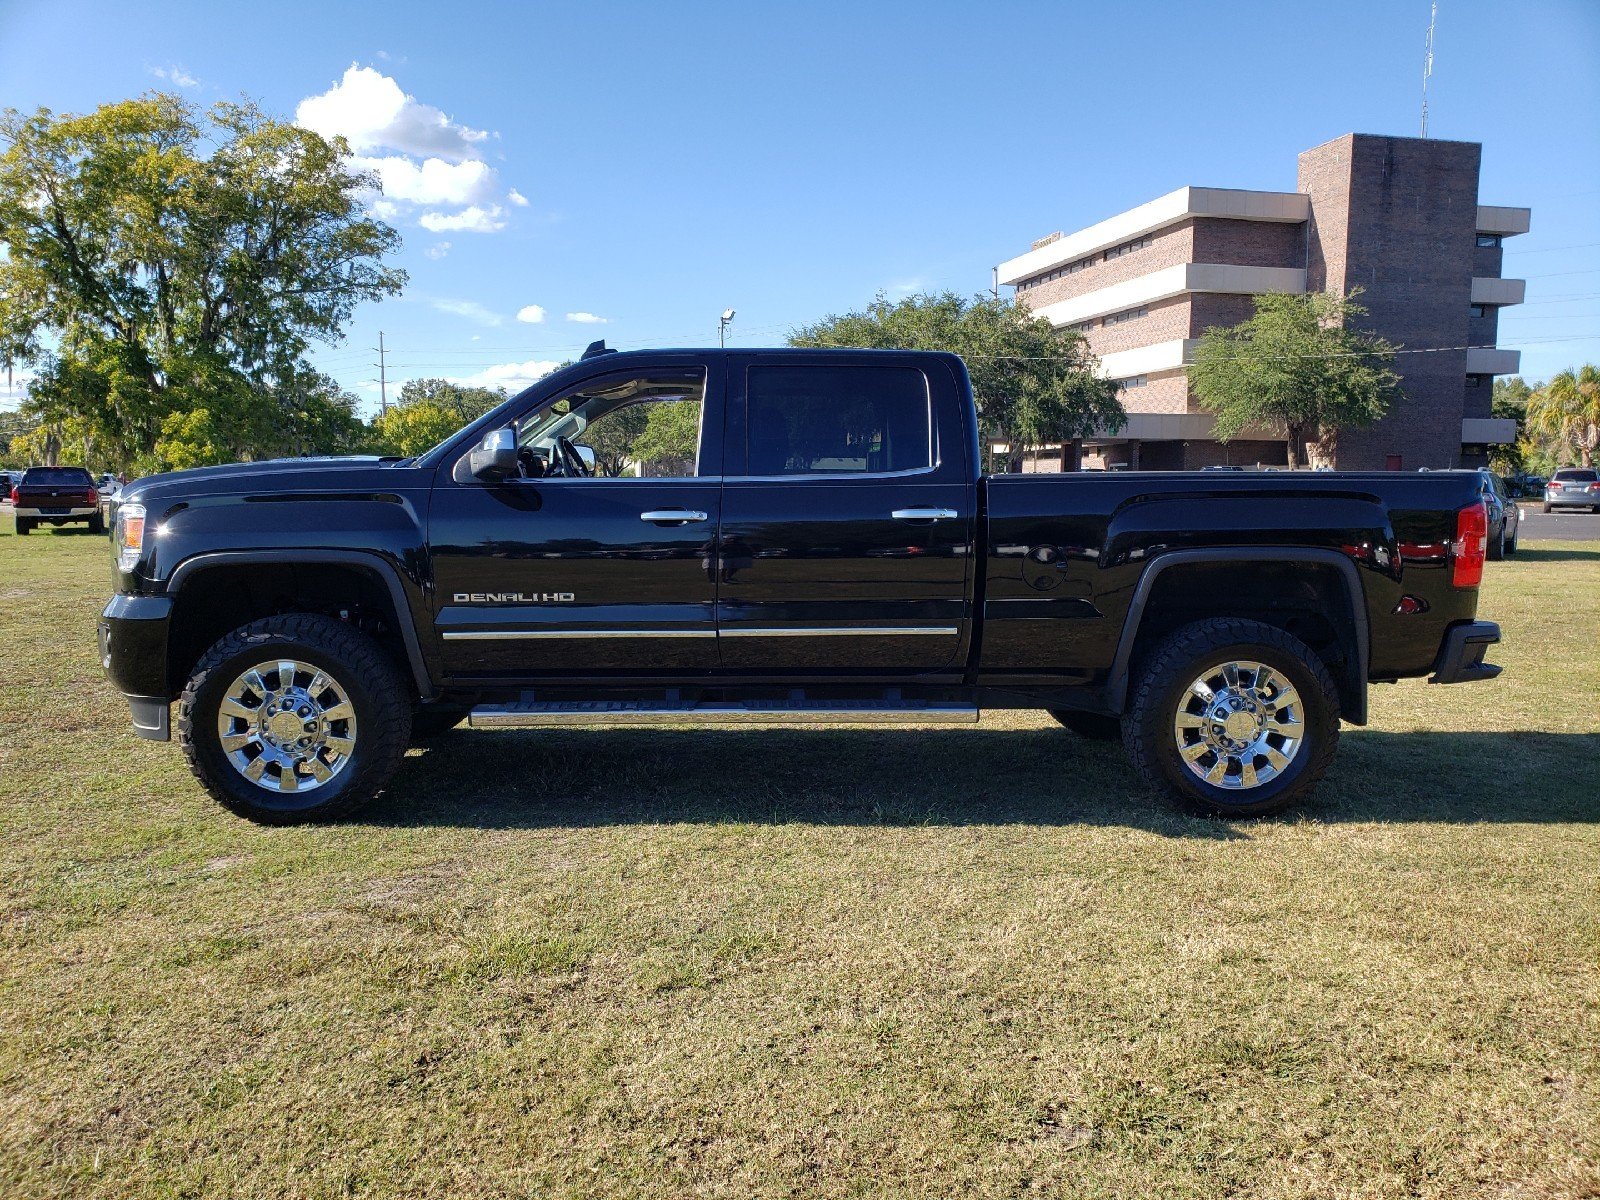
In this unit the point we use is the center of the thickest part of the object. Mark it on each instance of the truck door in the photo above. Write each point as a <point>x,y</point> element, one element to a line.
<point>593,571</point>
<point>847,517</point>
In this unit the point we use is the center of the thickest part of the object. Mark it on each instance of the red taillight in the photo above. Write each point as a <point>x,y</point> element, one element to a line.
<point>93,497</point>
<point>1594,487</point>
<point>16,495</point>
<point>1471,546</point>
<point>1552,486</point>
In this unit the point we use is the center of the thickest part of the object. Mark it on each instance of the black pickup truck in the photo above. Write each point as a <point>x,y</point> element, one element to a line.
<point>783,536</point>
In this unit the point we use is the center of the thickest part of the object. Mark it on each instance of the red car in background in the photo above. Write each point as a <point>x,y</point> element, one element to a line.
<point>55,496</point>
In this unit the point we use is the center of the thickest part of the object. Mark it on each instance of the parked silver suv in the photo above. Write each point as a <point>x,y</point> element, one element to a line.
<point>1573,487</point>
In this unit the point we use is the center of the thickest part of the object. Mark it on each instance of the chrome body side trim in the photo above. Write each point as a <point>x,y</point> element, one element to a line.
<point>843,631</point>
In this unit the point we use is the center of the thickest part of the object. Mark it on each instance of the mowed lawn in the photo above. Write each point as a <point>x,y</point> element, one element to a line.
<point>822,963</point>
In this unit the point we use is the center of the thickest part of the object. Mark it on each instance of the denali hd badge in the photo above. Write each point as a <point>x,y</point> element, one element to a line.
<point>514,598</point>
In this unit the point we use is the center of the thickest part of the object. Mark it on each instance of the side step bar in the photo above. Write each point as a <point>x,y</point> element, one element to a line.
<point>530,714</point>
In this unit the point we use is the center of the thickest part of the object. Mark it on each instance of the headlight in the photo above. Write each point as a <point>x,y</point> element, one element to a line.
<point>130,535</point>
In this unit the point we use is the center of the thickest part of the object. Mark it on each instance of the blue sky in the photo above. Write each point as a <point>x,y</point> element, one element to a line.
<point>650,165</point>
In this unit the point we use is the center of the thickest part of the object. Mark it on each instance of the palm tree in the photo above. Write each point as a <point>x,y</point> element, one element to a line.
<point>1568,409</point>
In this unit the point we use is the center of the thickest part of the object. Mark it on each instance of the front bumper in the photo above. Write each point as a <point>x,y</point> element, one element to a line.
<point>133,651</point>
<point>1461,653</point>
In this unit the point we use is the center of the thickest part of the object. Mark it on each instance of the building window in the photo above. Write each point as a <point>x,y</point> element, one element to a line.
<point>1128,314</point>
<point>1478,310</point>
<point>1128,247</point>
<point>1478,381</point>
<point>1132,381</point>
<point>1082,326</point>
<point>1489,241</point>
<point>1071,268</point>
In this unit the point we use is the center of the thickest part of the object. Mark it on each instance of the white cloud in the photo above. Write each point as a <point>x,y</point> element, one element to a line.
<point>530,314</point>
<point>175,74</point>
<point>470,309</point>
<point>420,158</point>
<point>369,110</point>
<point>473,219</point>
<point>433,181</point>
<point>438,250</point>
<point>586,318</point>
<point>511,376</point>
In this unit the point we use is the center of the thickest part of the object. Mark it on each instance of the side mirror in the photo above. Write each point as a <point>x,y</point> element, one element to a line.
<point>496,456</point>
<point>586,453</point>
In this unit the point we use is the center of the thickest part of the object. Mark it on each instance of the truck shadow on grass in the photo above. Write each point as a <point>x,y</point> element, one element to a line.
<point>907,777</point>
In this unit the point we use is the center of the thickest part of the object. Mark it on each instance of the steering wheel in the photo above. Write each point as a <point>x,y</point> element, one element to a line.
<point>571,464</point>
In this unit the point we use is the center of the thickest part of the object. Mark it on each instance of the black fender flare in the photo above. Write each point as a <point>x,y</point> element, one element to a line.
<point>374,564</point>
<point>1117,682</point>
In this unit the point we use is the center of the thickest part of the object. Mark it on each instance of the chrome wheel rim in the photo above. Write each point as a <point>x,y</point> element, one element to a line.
<point>1239,725</point>
<point>287,726</point>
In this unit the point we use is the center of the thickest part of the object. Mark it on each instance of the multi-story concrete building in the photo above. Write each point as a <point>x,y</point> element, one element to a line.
<point>1397,217</point>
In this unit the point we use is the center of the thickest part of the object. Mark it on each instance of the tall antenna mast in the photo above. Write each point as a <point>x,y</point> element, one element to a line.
<point>1427,64</point>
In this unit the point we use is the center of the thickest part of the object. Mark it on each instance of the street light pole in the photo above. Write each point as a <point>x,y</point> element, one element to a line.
<point>722,328</point>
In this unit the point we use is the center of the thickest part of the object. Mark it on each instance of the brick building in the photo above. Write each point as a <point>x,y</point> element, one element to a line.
<point>1397,217</point>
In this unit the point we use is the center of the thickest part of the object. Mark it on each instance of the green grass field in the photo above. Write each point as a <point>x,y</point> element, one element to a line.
<point>807,963</point>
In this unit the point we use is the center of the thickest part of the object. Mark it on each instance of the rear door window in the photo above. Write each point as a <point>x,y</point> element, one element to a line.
<point>851,420</point>
<point>1576,476</point>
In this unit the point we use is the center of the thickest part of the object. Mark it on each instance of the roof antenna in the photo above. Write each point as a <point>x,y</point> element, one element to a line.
<point>595,350</point>
<point>1427,64</point>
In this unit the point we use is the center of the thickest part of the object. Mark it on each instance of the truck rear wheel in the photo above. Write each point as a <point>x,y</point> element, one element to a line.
<point>1233,718</point>
<point>1095,726</point>
<point>24,527</point>
<point>294,718</point>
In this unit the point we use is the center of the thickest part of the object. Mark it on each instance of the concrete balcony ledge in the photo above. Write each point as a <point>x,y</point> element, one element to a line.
<point>1507,222</point>
<point>1185,202</point>
<point>1173,281</point>
<point>1146,360</point>
<point>1488,431</point>
<point>1491,360</point>
<point>1489,289</point>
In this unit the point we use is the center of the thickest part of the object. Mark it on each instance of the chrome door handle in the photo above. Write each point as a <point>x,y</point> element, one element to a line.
<point>678,516</point>
<point>924,514</point>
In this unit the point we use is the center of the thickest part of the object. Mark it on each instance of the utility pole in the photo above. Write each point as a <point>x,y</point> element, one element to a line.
<point>722,328</point>
<point>994,283</point>
<point>1427,63</point>
<point>383,376</point>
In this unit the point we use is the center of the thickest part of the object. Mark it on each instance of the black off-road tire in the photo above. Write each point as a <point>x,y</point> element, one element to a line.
<point>1162,683</point>
<point>24,527</point>
<point>97,525</point>
<point>1095,726</point>
<point>367,674</point>
<point>429,721</point>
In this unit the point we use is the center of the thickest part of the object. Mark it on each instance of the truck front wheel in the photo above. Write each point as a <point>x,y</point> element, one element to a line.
<point>294,718</point>
<point>1232,718</point>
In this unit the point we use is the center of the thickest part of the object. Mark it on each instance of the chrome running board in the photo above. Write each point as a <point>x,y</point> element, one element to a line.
<point>531,714</point>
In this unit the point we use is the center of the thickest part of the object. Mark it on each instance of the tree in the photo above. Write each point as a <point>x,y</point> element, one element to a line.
<point>428,411</point>
<point>1567,409</point>
<point>1509,402</point>
<point>1297,368</point>
<point>167,267</point>
<point>468,403</point>
<point>1034,384</point>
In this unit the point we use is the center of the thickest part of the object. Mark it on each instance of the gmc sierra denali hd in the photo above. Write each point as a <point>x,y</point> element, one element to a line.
<point>815,543</point>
